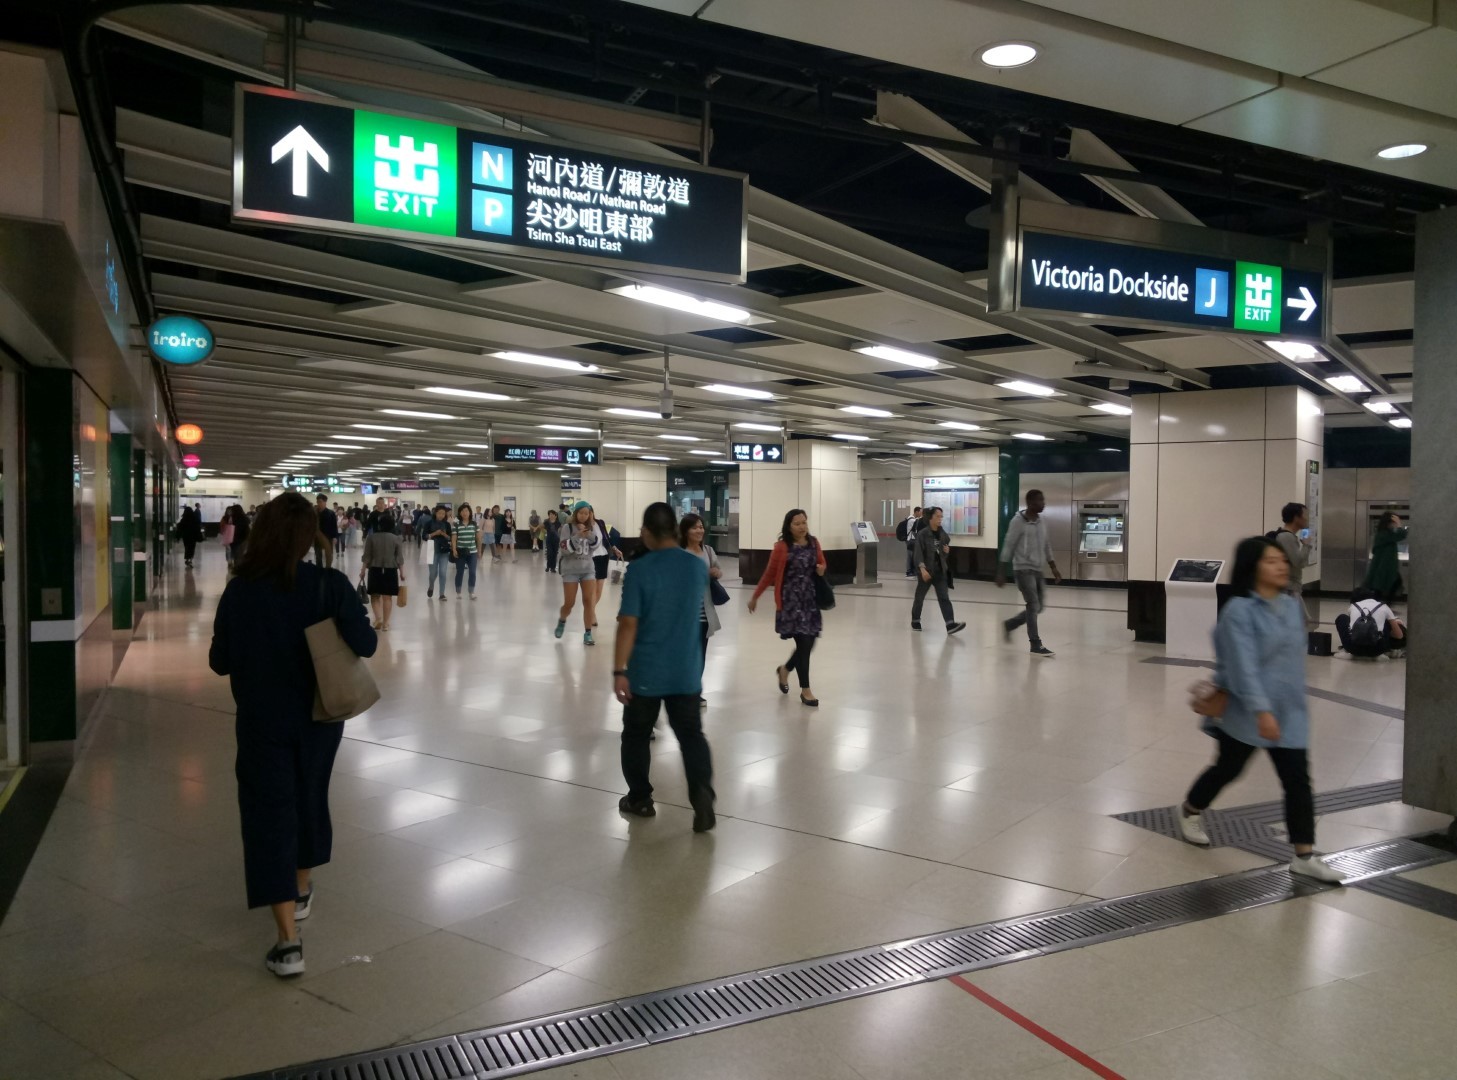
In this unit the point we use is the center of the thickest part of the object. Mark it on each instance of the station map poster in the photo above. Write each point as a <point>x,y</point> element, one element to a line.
<point>959,498</point>
<point>324,164</point>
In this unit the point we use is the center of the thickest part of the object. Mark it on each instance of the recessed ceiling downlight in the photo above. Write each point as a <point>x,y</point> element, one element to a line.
<point>1398,151</point>
<point>1009,54</point>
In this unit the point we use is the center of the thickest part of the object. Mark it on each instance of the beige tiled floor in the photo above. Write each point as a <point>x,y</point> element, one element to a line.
<point>482,874</point>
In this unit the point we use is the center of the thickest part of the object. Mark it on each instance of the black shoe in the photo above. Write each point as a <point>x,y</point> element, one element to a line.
<point>285,959</point>
<point>915,624</point>
<point>637,809</point>
<point>812,702</point>
<point>1007,629</point>
<point>954,628</point>
<point>430,593</point>
<point>703,816</point>
<point>1043,651</point>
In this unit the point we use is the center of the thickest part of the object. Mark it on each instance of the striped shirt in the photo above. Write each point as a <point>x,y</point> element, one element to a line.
<point>466,537</point>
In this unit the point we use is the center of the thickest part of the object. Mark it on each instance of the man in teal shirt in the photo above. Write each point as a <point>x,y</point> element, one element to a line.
<point>657,663</point>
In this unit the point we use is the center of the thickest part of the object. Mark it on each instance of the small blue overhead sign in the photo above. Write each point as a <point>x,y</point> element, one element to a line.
<point>180,339</point>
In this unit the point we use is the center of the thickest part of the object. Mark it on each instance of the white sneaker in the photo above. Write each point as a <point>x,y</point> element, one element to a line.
<point>1316,867</point>
<point>1341,654</point>
<point>1191,826</point>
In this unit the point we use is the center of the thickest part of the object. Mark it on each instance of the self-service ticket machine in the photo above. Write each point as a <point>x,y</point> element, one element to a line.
<point>867,551</point>
<point>1191,608</point>
<point>1100,554</point>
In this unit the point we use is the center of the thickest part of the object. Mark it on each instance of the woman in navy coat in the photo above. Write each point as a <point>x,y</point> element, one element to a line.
<point>285,757</point>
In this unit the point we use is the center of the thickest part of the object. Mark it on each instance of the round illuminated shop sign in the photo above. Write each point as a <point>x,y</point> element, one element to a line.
<point>188,434</point>
<point>192,461</point>
<point>180,339</point>
<point>191,472</point>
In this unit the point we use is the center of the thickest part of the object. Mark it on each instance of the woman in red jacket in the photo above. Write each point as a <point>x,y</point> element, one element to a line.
<point>795,561</point>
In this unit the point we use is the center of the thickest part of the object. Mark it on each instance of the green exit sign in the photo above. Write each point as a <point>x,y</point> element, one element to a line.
<point>1257,297</point>
<point>404,173</point>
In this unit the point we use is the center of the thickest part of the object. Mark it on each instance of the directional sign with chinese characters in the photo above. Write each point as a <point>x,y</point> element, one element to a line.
<point>319,163</point>
<point>761,453</point>
<point>548,455</point>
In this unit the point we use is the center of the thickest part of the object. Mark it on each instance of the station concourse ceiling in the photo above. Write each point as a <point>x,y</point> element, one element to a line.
<point>864,225</point>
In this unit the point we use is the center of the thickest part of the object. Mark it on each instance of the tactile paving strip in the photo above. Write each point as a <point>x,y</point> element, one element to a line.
<point>616,1026</point>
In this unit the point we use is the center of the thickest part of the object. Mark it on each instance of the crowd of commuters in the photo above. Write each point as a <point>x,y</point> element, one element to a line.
<point>665,620</point>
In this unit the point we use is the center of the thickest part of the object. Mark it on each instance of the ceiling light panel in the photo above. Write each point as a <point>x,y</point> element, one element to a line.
<point>897,356</point>
<point>419,414</point>
<point>544,361</point>
<point>475,395</point>
<point>691,305</point>
<point>1031,389</point>
<point>866,410</point>
<point>738,391</point>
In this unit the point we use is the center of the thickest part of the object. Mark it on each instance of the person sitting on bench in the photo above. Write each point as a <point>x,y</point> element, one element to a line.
<point>1370,628</point>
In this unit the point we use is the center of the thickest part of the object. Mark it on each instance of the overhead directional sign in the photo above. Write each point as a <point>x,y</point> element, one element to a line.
<point>763,453</point>
<point>320,163</point>
<point>548,455</point>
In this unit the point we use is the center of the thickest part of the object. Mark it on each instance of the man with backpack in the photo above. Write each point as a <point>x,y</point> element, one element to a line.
<point>1370,629</point>
<point>1298,549</point>
<point>905,532</point>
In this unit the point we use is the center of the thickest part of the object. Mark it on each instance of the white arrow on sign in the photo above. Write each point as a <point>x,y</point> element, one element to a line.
<point>773,452</point>
<point>1305,304</point>
<point>302,146</point>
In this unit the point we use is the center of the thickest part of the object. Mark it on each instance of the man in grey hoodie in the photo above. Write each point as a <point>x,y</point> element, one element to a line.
<point>1027,548</point>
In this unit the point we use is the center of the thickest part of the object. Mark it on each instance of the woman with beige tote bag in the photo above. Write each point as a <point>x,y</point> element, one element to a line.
<point>272,611</point>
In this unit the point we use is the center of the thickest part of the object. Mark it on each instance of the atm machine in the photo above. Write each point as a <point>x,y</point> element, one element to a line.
<point>1100,554</point>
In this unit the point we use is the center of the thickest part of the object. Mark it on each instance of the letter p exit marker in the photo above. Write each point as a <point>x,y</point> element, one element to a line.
<point>1257,297</point>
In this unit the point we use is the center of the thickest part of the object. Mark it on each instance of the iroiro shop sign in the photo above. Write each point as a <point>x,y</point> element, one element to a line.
<point>180,339</point>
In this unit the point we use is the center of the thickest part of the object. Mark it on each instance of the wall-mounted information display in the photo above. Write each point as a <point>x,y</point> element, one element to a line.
<point>959,498</point>
<point>770,453</point>
<point>548,455</point>
<point>1129,282</point>
<point>316,162</point>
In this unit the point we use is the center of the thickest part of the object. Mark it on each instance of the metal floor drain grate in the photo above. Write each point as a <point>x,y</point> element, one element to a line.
<point>616,1026</point>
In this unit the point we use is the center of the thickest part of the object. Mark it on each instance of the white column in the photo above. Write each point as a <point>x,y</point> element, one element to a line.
<point>620,491</point>
<point>820,478</point>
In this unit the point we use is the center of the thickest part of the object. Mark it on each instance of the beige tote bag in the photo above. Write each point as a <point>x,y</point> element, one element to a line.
<point>345,686</point>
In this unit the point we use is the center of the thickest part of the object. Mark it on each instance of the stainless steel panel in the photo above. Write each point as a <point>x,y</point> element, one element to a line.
<point>1058,487</point>
<point>1100,486</point>
<point>1338,544</point>
<point>1383,485</point>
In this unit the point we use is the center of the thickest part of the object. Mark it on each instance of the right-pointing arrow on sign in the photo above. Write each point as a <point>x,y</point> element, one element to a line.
<point>1304,303</point>
<point>302,146</point>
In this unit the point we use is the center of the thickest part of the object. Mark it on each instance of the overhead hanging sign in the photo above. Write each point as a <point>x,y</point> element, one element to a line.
<point>180,339</point>
<point>548,455</point>
<point>771,453</point>
<point>409,485</point>
<point>319,163</point>
<point>1071,262</point>
<point>188,434</point>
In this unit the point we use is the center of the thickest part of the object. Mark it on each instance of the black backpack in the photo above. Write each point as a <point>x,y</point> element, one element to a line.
<point>1273,535</point>
<point>1366,637</point>
<point>901,529</point>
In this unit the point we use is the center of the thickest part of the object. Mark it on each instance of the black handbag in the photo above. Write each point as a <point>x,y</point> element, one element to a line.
<point>718,593</point>
<point>824,595</point>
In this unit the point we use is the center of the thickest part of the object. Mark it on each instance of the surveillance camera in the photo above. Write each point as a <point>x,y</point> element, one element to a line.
<point>665,404</point>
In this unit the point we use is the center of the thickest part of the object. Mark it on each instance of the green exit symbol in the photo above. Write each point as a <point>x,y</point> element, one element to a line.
<point>1257,301</point>
<point>404,173</point>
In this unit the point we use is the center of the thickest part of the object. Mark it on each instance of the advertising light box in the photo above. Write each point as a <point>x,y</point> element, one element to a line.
<point>320,163</point>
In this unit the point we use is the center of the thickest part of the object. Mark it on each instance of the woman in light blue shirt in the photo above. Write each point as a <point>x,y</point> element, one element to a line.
<point>1259,648</point>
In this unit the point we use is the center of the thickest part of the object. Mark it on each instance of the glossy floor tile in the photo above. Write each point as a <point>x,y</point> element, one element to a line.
<point>482,873</point>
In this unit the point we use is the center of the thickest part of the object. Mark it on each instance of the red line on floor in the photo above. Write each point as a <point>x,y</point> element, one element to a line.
<point>1061,1046</point>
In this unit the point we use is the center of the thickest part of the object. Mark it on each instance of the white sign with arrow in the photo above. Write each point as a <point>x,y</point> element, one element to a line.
<point>1304,303</point>
<point>302,146</point>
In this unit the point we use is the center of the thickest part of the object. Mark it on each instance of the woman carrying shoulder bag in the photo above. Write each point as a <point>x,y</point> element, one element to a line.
<point>691,531</point>
<point>793,565</point>
<point>929,551</point>
<point>284,757</point>
<point>1259,648</point>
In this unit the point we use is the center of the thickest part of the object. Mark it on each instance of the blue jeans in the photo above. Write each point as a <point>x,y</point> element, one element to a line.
<point>439,568</point>
<point>462,560</point>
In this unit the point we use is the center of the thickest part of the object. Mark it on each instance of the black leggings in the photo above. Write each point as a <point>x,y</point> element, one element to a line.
<point>799,662</point>
<point>1293,768</point>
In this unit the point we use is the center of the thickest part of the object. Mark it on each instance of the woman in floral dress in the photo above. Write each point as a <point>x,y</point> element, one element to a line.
<point>796,560</point>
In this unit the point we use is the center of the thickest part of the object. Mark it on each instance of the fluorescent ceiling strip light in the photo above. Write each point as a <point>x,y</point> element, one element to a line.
<point>474,445</point>
<point>620,446</point>
<point>851,438</point>
<point>654,457</point>
<point>1382,408</point>
<point>1402,422</point>
<point>897,356</point>
<point>926,445</point>
<point>865,410</point>
<point>455,391</point>
<point>692,305</point>
<point>1347,384</point>
<point>568,427</point>
<point>419,414</point>
<point>758,427</point>
<point>738,391</point>
<point>640,413</point>
<point>957,425</point>
<point>1112,408</point>
<point>1022,386</point>
<point>1031,436</point>
<point>384,427</point>
<point>704,453</point>
<point>544,361</point>
<point>549,468</point>
<point>723,461</point>
<point>359,438</point>
<point>681,438</point>
<point>1298,352</point>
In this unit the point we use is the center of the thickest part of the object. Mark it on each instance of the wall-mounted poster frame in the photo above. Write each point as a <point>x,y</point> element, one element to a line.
<point>959,498</point>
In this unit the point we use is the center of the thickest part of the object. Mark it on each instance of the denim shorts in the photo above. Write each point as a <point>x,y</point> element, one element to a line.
<point>577,571</point>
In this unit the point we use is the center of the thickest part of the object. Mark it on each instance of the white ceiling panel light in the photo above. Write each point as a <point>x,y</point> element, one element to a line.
<point>1031,389</point>
<point>419,414</point>
<point>1402,422</point>
<point>448,453</point>
<point>358,438</point>
<point>723,461</point>
<point>544,361</point>
<point>641,414</point>
<point>473,445</point>
<point>1112,408</point>
<point>475,395</point>
<point>738,391</point>
<point>1031,436</point>
<point>385,427</point>
<point>896,356</point>
<point>851,438</point>
<point>1347,384</point>
<point>1397,151</point>
<point>550,468</point>
<point>957,425</point>
<point>1008,54</point>
<point>705,453</point>
<point>480,465</point>
<point>568,427</point>
<point>691,305</point>
<point>681,438</point>
<point>926,445</point>
<point>654,457</point>
<point>866,410</point>
<point>620,446</point>
<point>1381,408</point>
<point>758,427</point>
<point>1297,352</point>
<point>339,446</point>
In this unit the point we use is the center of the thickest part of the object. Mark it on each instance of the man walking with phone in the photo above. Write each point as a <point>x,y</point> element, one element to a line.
<point>658,662</point>
<point>1027,548</point>
<point>1293,536</point>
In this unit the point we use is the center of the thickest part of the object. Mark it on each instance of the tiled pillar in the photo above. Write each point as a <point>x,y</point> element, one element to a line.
<point>1208,469</point>
<point>822,479</point>
<point>971,556</point>
<point>1430,767</point>
<point>620,491</point>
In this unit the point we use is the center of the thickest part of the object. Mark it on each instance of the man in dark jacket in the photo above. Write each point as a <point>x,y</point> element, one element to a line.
<point>328,532</point>
<point>930,550</point>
